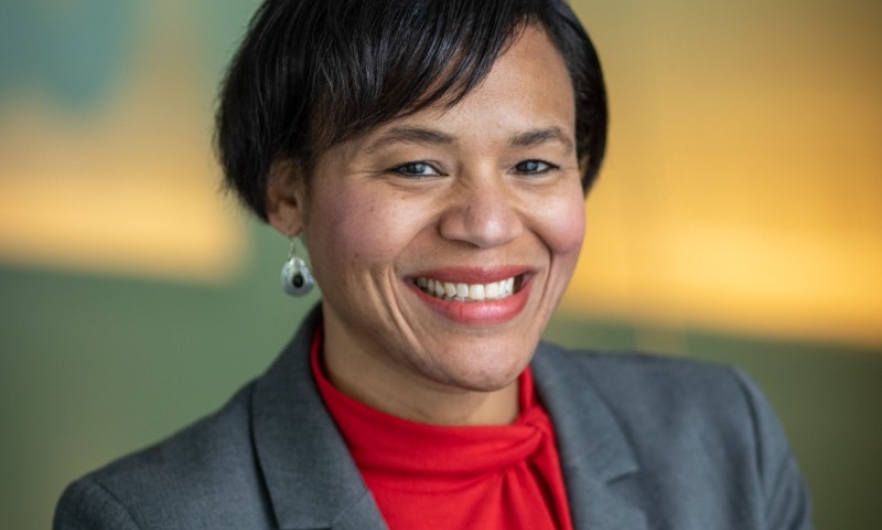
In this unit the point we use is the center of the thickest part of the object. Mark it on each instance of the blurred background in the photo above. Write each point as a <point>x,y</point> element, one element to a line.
<point>738,219</point>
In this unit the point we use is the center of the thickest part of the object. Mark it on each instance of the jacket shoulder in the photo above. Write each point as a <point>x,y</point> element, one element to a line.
<point>205,476</point>
<point>690,422</point>
<point>632,382</point>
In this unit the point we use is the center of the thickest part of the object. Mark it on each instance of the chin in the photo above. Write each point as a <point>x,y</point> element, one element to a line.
<point>487,372</point>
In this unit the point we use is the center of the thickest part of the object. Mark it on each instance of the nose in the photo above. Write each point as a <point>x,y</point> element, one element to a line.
<point>482,212</point>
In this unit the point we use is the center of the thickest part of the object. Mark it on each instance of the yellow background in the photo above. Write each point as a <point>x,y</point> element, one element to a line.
<point>743,188</point>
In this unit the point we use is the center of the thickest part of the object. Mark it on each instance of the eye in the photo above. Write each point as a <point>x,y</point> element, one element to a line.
<point>534,167</point>
<point>416,169</point>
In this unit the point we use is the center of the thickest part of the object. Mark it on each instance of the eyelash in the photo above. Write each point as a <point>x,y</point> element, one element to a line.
<point>548,167</point>
<point>407,170</point>
<point>412,169</point>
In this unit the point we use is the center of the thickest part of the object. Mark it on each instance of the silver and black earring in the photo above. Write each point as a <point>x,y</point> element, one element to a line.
<point>297,279</point>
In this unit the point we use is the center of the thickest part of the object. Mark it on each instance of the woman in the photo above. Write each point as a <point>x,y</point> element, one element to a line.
<point>433,157</point>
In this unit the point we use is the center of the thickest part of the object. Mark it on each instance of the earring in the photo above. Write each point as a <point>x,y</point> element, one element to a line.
<point>297,279</point>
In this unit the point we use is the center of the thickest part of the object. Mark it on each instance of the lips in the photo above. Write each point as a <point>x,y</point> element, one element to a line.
<point>474,296</point>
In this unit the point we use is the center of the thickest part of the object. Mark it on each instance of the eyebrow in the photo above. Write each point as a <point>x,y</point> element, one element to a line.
<point>419,135</point>
<point>540,136</point>
<point>410,135</point>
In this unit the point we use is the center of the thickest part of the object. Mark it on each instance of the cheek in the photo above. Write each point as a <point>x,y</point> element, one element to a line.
<point>334,239</point>
<point>564,226</point>
<point>352,232</point>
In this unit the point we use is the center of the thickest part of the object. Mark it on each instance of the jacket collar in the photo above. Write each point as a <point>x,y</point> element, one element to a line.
<point>313,482</point>
<point>597,459</point>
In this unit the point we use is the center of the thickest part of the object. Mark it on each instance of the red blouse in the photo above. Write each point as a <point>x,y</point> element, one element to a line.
<point>477,477</point>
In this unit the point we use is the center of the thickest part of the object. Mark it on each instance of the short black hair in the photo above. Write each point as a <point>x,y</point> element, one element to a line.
<point>313,73</point>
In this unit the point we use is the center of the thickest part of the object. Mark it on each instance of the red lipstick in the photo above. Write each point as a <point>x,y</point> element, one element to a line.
<point>486,312</point>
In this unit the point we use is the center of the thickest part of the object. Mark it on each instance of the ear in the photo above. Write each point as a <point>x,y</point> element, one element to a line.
<point>285,197</point>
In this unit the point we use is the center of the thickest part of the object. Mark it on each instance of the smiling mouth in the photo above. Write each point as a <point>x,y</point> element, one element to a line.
<point>471,292</point>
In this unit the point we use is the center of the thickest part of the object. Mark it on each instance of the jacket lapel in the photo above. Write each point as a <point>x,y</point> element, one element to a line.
<point>596,459</point>
<point>312,481</point>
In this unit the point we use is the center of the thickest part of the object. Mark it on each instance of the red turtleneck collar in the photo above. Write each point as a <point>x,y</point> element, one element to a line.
<point>428,476</point>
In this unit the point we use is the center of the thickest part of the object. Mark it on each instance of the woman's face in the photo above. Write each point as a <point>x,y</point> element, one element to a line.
<point>481,201</point>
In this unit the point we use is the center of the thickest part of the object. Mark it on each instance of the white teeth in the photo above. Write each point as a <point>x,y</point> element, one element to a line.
<point>467,292</point>
<point>476,292</point>
<point>492,290</point>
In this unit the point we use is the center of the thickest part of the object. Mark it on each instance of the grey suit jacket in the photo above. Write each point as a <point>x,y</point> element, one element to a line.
<point>645,443</point>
